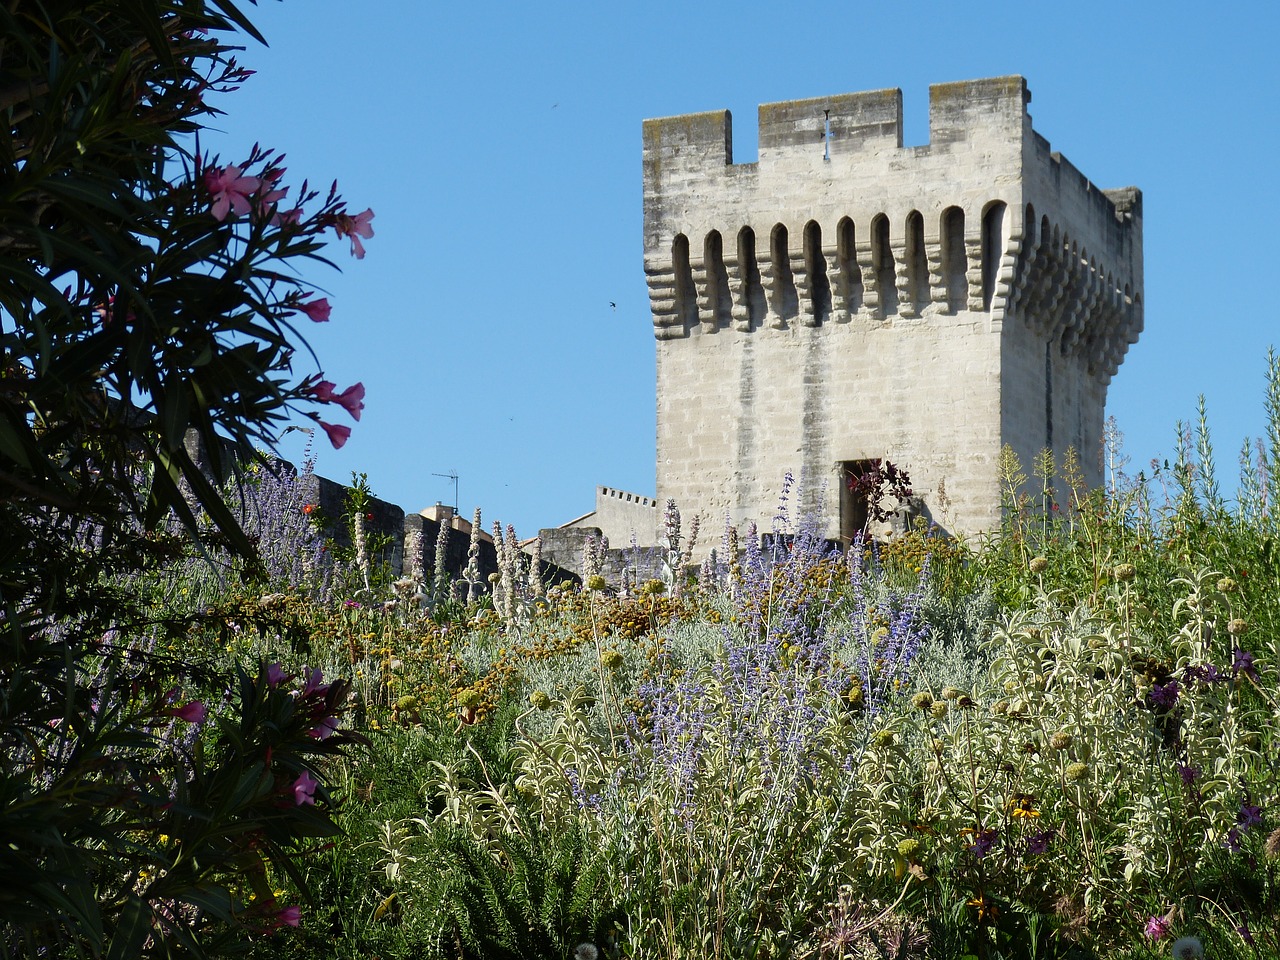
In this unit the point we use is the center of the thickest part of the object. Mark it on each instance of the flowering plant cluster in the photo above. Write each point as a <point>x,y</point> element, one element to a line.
<point>806,761</point>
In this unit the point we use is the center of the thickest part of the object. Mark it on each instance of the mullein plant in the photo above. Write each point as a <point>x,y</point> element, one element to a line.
<point>537,589</point>
<point>594,553</point>
<point>514,580</point>
<point>471,577</point>
<point>440,575</point>
<point>678,554</point>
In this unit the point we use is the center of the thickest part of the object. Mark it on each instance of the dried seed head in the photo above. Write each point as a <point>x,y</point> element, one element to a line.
<point>1060,740</point>
<point>909,848</point>
<point>1077,771</point>
<point>922,700</point>
<point>1272,847</point>
<point>539,700</point>
<point>1237,627</point>
<point>1124,571</point>
<point>1039,564</point>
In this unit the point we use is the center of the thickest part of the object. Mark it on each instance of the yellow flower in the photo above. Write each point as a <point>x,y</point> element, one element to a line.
<point>987,910</point>
<point>1022,805</point>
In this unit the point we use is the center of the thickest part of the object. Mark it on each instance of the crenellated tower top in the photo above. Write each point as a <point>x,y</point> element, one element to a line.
<point>836,166</point>
<point>833,276</point>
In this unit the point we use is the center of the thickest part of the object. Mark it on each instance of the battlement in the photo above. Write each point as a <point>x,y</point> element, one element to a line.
<point>604,494</point>
<point>963,112</point>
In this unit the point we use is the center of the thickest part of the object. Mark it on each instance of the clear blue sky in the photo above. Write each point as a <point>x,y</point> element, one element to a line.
<point>499,146</point>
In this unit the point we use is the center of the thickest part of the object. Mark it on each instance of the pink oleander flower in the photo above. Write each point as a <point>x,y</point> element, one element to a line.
<point>338,435</point>
<point>321,390</point>
<point>193,712</point>
<point>268,198</point>
<point>230,191</point>
<point>355,228</point>
<point>325,729</point>
<point>317,310</point>
<point>351,400</point>
<point>275,675</point>
<point>290,916</point>
<point>1157,928</point>
<point>304,789</point>
<point>290,218</point>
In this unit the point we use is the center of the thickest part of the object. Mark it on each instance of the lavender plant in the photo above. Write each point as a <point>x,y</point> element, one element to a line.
<point>273,508</point>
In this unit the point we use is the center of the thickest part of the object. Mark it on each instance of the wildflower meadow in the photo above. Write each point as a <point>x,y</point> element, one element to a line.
<point>227,731</point>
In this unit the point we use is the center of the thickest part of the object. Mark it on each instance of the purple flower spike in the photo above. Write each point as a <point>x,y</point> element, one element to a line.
<point>1242,662</point>
<point>1249,816</point>
<point>1164,696</point>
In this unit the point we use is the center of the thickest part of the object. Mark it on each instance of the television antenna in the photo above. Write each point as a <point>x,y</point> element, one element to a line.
<point>451,475</point>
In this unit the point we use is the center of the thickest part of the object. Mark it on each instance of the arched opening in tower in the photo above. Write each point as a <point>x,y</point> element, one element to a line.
<point>751,306</point>
<point>917,262</point>
<point>992,250</point>
<point>718,305</point>
<point>783,300</point>
<point>849,280</point>
<point>885,265</point>
<point>815,265</point>
<point>955,265</point>
<point>686,295</point>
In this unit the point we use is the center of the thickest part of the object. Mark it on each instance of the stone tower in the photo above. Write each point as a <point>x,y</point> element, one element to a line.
<point>846,299</point>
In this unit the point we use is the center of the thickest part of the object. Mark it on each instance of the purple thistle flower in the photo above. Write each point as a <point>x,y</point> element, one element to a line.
<point>1157,928</point>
